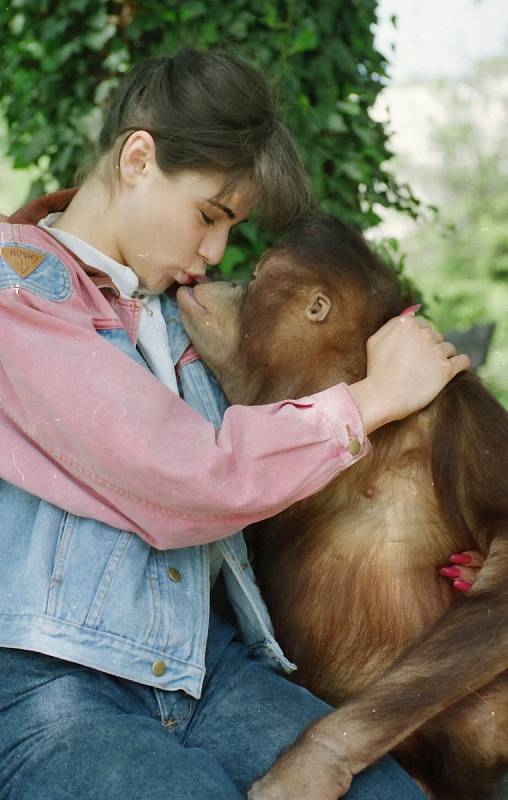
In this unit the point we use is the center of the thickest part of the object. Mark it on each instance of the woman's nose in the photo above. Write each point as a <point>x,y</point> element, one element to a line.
<point>212,247</point>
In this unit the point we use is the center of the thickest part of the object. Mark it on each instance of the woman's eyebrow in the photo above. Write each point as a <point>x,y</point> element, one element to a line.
<point>228,212</point>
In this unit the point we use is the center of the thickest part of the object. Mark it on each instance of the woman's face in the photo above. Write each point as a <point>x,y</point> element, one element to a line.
<point>169,227</point>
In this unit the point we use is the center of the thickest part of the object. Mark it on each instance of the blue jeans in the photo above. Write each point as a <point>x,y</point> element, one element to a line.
<point>70,732</point>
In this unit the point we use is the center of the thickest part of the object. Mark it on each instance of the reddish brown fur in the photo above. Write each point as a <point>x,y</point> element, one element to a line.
<point>351,574</point>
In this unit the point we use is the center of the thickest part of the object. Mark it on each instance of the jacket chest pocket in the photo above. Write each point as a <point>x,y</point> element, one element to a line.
<point>97,571</point>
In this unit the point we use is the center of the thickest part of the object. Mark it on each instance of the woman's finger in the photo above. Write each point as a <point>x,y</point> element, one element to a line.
<point>423,323</point>
<point>468,574</point>
<point>448,349</point>
<point>463,569</point>
<point>459,363</point>
<point>462,586</point>
<point>469,558</point>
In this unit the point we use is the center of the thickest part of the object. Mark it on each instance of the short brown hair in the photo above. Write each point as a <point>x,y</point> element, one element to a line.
<point>208,110</point>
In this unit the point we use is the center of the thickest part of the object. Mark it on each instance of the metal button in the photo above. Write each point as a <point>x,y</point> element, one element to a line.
<point>354,447</point>
<point>174,574</point>
<point>158,668</point>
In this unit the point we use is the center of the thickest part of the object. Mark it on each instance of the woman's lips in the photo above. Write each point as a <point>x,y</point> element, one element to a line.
<point>188,278</point>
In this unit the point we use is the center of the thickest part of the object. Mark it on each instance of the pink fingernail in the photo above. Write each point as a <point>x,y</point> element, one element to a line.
<point>461,558</point>
<point>462,586</point>
<point>450,572</point>
<point>411,309</point>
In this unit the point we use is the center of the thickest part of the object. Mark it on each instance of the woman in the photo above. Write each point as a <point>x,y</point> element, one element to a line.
<point>116,495</point>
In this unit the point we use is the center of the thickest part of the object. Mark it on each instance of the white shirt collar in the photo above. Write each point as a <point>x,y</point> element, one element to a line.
<point>124,278</point>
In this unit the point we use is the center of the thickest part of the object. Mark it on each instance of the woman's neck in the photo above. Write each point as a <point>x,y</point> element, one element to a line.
<point>91,217</point>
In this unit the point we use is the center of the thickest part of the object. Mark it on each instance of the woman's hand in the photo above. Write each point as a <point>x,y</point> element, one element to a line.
<point>408,363</point>
<point>463,569</point>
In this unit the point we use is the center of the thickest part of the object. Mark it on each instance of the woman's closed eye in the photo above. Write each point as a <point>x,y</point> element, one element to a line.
<point>206,219</point>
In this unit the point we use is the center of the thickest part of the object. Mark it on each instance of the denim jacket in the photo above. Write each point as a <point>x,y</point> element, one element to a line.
<point>97,583</point>
<point>81,590</point>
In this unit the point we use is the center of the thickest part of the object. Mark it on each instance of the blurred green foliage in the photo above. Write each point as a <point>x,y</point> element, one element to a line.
<point>14,184</point>
<point>61,61</point>
<point>459,256</point>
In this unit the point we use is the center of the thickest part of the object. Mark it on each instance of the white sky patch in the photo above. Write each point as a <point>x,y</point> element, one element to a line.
<point>440,38</point>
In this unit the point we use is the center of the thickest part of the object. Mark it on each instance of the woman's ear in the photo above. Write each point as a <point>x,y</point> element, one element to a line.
<point>318,307</point>
<point>138,153</point>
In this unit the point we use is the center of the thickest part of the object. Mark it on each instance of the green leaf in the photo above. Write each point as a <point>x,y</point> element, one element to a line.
<point>231,259</point>
<point>305,40</point>
<point>104,90</point>
<point>38,144</point>
<point>17,24</point>
<point>192,10</point>
<point>336,123</point>
<point>352,170</point>
<point>349,107</point>
<point>96,40</point>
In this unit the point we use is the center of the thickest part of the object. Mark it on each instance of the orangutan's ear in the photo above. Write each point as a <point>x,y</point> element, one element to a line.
<point>318,307</point>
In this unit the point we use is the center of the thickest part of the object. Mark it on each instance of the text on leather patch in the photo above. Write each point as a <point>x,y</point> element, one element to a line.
<point>22,259</point>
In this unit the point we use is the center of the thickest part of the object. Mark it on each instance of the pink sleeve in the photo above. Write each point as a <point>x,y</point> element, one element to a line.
<point>85,428</point>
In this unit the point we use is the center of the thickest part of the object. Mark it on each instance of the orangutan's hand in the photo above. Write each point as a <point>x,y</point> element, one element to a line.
<point>308,771</point>
<point>463,569</point>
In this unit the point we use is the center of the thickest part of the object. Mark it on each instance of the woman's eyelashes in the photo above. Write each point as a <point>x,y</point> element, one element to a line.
<point>206,219</point>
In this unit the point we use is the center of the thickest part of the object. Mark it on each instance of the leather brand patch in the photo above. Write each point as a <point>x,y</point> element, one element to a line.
<point>23,260</point>
<point>26,268</point>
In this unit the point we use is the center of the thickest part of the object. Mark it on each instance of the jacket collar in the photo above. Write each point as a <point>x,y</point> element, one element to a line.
<point>37,209</point>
